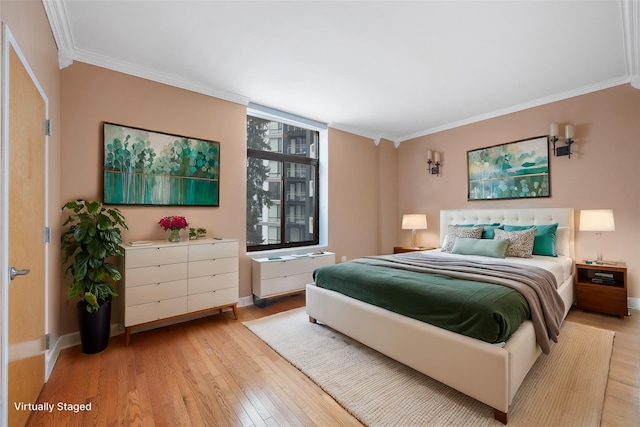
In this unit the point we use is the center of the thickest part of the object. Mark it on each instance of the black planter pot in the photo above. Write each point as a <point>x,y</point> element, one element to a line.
<point>95,327</point>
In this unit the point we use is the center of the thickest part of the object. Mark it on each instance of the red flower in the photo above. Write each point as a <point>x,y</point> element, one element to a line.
<point>173,223</point>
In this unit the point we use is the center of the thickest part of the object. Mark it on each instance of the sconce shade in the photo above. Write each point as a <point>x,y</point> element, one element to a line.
<point>597,220</point>
<point>414,222</point>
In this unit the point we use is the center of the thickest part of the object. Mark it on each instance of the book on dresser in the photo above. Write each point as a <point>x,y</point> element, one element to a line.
<point>163,280</point>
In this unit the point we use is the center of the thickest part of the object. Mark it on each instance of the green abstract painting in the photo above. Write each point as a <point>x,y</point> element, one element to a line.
<point>151,168</point>
<point>513,170</point>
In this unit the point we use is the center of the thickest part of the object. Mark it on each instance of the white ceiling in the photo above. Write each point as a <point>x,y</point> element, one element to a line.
<point>387,69</point>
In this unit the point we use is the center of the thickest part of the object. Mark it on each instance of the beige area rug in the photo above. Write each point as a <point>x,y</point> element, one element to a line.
<point>565,388</point>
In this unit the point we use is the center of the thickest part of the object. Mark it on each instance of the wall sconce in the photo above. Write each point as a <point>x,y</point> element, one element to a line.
<point>433,157</point>
<point>564,150</point>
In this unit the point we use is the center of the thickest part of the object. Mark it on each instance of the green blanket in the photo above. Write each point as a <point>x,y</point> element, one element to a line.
<point>485,311</point>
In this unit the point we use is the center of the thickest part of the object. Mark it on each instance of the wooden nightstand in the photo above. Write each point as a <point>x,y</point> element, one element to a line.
<point>402,249</point>
<point>602,288</point>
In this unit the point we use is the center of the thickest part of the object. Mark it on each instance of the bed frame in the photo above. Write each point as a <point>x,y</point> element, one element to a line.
<point>486,372</point>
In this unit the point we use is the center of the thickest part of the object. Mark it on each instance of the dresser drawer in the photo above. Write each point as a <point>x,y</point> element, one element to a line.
<point>156,292</point>
<point>207,300</point>
<point>279,285</point>
<point>213,266</point>
<point>153,311</point>
<point>205,251</point>
<point>155,274</point>
<point>156,256</point>
<point>212,283</point>
<point>293,266</point>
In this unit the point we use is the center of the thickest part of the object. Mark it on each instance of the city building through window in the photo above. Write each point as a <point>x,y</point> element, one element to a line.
<point>282,185</point>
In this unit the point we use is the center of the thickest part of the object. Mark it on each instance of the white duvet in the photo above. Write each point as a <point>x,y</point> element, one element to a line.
<point>561,267</point>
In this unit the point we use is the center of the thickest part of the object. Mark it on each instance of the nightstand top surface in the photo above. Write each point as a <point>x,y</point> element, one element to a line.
<point>619,265</point>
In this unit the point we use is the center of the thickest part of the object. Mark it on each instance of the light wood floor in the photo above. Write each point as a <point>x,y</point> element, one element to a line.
<point>214,372</point>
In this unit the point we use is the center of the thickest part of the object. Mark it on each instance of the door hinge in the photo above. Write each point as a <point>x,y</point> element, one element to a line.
<point>47,341</point>
<point>47,234</point>
<point>47,127</point>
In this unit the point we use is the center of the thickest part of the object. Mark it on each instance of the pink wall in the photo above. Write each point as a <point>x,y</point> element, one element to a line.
<point>387,187</point>
<point>602,173</point>
<point>28,23</point>
<point>91,95</point>
<point>362,183</point>
<point>360,207</point>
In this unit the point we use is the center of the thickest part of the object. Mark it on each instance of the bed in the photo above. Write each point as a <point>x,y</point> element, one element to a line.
<point>488,372</point>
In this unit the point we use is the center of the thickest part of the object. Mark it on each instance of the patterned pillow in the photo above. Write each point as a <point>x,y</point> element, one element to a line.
<point>456,231</point>
<point>520,242</point>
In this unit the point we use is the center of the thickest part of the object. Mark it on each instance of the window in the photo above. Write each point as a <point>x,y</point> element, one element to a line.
<point>282,184</point>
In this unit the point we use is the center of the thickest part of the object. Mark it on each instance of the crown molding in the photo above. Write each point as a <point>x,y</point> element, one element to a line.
<point>58,20</point>
<point>67,53</point>
<point>149,74</point>
<point>375,136</point>
<point>631,31</point>
<point>520,107</point>
<point>57,14</point>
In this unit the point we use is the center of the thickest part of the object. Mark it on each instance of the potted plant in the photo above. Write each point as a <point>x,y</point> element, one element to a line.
<point>92,237</point>
<point>201,233</point>
<point>193,233</point>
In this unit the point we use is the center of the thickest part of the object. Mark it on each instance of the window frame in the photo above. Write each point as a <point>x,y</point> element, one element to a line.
<point>283,158</point>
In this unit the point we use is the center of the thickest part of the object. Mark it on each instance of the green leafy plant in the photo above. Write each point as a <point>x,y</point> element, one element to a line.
<point>93,236</point>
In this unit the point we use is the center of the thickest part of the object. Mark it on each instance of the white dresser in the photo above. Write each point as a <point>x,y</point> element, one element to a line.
<point>283,275</point>
<point>166,280</point>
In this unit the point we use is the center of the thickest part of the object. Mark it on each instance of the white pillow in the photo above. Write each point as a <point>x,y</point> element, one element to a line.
<point>562,241</point>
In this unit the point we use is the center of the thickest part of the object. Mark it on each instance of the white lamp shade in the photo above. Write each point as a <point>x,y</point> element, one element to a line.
<point>597,220</point>
<point>414,222</point>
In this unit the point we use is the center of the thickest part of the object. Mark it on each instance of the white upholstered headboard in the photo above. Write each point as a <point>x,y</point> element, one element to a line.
<point>532,216</point>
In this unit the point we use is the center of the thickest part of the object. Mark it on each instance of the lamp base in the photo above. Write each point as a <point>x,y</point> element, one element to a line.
<point>605,263</point>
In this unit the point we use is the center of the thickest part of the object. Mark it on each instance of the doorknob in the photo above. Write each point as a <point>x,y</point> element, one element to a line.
<point>13,272</point>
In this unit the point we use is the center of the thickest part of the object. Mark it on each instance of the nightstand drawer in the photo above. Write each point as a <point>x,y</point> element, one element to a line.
<point>602,298</point>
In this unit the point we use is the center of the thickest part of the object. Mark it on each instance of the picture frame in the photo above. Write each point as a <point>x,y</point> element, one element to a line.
<point>143,167</point>
<point>513,170</point>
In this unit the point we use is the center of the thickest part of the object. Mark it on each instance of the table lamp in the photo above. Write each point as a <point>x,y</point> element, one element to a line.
<point>598,220</point>
<point>414,222</point>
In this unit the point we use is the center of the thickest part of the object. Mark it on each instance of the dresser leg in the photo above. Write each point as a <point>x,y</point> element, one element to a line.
<point>127,335</point>
<point>234,307</point>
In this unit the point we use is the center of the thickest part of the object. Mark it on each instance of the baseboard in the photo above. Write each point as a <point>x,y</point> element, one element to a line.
<point>50,359</point>
<point>633,303</point>
<point>245,301</point>
<point>68,341</point>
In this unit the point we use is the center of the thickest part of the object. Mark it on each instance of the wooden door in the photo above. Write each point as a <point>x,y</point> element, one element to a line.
<point>27,218</point>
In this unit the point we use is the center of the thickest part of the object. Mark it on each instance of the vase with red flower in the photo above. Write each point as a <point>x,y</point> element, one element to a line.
<point>172,225</point>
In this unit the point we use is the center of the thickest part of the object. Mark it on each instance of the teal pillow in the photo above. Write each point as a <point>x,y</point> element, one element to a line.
<point>483,247</point>
<point>489,229</point>
<point>544,243</point>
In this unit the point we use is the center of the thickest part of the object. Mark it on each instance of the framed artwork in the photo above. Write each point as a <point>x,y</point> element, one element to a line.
<point>514,170</point>
<point>143,167</point>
